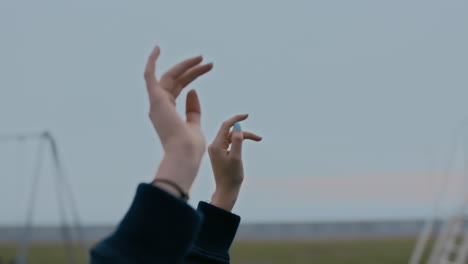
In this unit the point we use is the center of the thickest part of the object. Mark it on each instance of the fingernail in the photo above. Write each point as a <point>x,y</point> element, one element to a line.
<point>237,126</point>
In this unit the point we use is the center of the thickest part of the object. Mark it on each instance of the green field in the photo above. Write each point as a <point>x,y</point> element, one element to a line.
<point>381,251</point>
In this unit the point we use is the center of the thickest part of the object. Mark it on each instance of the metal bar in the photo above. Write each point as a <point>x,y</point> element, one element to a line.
<point>422,242</point>
<point>463,252</point>
<point>22,258</point>
<point>68,190</point>
<point>70,197</point>
<point>65,230</point>
<point>64,194</point>
<point>444,233</point>
<point>462,255</point>
<point>21,136</point>
<point>439,251</point>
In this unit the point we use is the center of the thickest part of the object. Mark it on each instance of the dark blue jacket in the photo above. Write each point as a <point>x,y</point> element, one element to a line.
<point>160,228</point>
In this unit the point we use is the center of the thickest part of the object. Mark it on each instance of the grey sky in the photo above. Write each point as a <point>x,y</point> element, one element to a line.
<point>360,94</point>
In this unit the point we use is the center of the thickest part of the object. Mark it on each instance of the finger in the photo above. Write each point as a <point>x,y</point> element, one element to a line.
<point>192,108</point>
<point>246,135</point>
<point>236,142</point>
<point>223,132</point>
<point>176,71</point>
<point>150,70</point>
<point>189,76</point>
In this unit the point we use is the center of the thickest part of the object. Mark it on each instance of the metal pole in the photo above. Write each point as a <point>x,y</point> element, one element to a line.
<point>22,258</point>
<point>66,188</point>
<point>65,231</point>
<point>64,196</point>
<point>449,224</point>
<point>422,242</point>
<point>20,136</point>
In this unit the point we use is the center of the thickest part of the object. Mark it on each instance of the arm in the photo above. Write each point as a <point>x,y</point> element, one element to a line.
<point>220,225</point>
<point>159,227</point>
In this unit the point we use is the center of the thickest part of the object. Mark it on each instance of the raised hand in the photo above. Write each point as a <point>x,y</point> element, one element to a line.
<point>182,140</point>
<point>227,162</point>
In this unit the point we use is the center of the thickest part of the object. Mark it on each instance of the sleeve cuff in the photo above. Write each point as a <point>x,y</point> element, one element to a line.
<point>157,225</point>
<point>217,232</point>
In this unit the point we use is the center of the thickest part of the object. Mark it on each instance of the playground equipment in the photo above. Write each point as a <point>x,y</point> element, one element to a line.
<point>449,220</point>
<point>71,230</point>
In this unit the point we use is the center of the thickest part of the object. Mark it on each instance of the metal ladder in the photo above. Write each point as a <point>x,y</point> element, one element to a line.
<point>452,245</point>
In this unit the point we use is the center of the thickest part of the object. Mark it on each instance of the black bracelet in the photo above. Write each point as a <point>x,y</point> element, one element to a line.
<point>183,195</point>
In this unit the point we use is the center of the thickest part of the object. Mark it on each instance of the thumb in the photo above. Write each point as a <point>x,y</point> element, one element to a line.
<point>236,141</point>
<point>192,108</point>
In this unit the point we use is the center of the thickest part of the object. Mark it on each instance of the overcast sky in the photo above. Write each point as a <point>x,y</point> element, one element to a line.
<point>357,101</point>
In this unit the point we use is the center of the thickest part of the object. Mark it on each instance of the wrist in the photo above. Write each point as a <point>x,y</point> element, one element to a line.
<point>184,159</point>
<point>174,188</point>
<point>189,152</point>
<point>168,188</point>
<point>225,198</point>
<point>180,169</point>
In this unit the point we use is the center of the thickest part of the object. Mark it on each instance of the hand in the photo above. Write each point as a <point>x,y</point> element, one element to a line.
<point>227,163</point>
<point>182,140</point>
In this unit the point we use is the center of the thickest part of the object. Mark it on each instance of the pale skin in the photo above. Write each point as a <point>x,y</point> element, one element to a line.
<point>183,140</point>
<point>227,163</point>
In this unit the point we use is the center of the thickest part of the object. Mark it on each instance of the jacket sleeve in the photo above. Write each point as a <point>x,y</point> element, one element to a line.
<point>216,235</point>
<point>158,228</point>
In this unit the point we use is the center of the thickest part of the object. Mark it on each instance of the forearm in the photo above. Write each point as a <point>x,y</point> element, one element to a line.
<point>180,168</point>
<point>158,228</point>
<point>216,235</point>
<point>225,198</point>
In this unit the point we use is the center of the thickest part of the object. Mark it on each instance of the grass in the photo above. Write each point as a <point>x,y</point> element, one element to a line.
<point>39,253</point>
<point>324,252</point>
<point>381,251</point>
